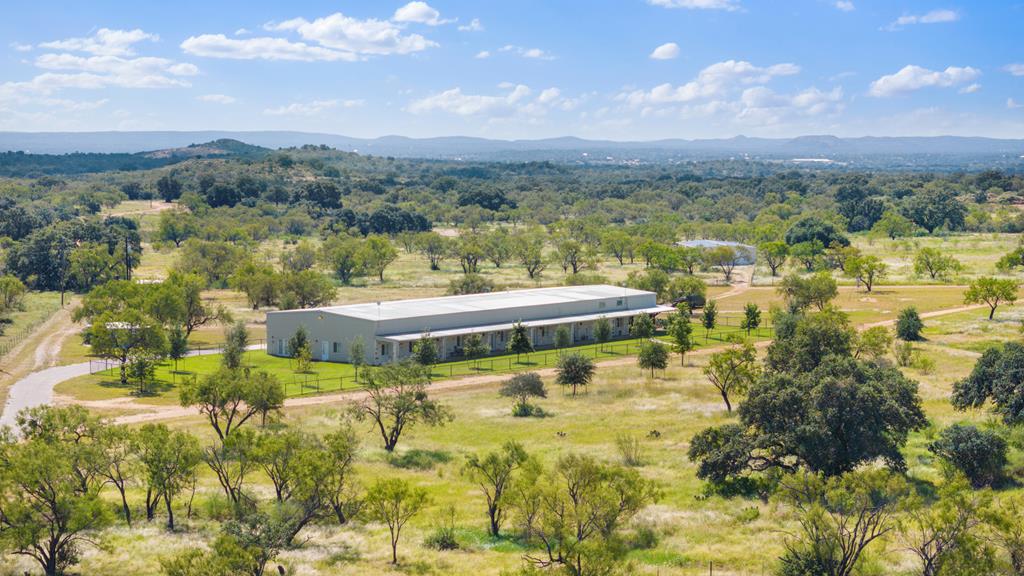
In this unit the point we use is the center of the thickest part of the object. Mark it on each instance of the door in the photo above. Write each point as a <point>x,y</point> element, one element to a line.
<point>325,350</point>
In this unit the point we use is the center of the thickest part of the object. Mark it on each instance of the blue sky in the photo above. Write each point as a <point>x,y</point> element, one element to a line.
<point>624,70</point>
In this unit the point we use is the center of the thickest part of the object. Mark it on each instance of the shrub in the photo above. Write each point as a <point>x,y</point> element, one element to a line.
<point>443,535</point>
<point>630,449</point>
<point>420,459</point>
<point>904,353</point>
<point>471,284</point>
<point>922,363</point>
<point>979,454</point>
<point>909,325</point>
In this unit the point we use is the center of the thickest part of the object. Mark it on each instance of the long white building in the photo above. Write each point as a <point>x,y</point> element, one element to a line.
<point>390,329</point>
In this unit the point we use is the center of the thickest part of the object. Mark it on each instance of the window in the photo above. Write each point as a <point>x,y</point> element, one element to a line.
<point>335,347</point>
<point>618,302</point>
<point>383,349</point>
<point>601,305</point>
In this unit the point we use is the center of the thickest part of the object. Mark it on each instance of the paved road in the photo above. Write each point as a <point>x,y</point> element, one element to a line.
<point>36,389</point>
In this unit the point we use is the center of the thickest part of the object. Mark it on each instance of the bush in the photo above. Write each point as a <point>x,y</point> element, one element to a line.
<point>909,325</point>
<point>419,459</point>
<point>527,410</point>
<point>922,363</point>
<point>979,454</point>
<point>904,353</point>
<point>630,450</point>
<point>443,535</point>
<point>471,284</point>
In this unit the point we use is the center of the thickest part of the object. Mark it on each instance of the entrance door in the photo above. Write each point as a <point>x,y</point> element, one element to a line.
<point>325,350</point>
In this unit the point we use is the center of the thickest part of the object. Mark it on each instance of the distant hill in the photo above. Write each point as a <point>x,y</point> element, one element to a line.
<point>866,152</point>
<point>212,149</point>
<point>26,164</point>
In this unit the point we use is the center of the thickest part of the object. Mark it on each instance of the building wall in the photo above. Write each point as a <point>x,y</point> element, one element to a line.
<point>336,332</point>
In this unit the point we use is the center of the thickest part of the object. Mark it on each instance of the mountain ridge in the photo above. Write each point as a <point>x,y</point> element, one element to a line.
<point>469,147</point>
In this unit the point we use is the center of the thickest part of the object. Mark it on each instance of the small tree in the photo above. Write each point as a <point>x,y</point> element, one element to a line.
<point>396,398</point>
<point>357,354</point>
<point>177,345</point>
<point>142,371</point>
<point>652,356</point>
<point>424,352</point>
<point>866,269</point>
<point>709,318</point>
<point>681,330</point>
<point>474,347</point>
<point>298,341</point>
<point>394,502</point>
<point>124,336</point>
<point>979,454</point>
<point>751,317</point>
<point>493,472</point>
<point>909,325</point>
<point>839,518</point>
<point>236,340</point>
<point>724,258</point>
<point>523,387</point>
<point>935,264</point>
<point>733,370</point>
<point>774,255</point>
<point>47,514</point>
<point>873,343</point>
<point>575,370</point>
<point>563,339</point>
<point>169,459</point>
<point>945,533</point>
<point>991,291</point>
<point>303,358</point>
<point>642,327</point>
<point>519,342</point>
<point>229,398</point>
<point>602,331</point>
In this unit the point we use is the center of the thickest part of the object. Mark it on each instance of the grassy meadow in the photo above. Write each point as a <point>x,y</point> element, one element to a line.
<point>740,536</point>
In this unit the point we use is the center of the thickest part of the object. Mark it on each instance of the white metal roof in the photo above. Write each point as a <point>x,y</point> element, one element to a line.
<point>411,336</point>
<point>397,309</point>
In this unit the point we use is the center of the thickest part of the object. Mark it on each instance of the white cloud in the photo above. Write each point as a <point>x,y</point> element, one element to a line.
<point>1013,104</point>
<point>262,48</point>
<point>473,26</point>
<point>911,78</point>
<point>332,38</point>
<point>729,5</point>
<point>666,51</point>
<point>712,82</point>
<point>845,5</point>
<point>482,55</point>
<point>519,100</point>
<point>104,42</point>
<point>311,108</point>
<point>216,98</point>
<point>371,36</point>
<point>420,13</point>
<point>933,17</point>
<point>534,53</point>
<point>109,61</point>
<point>1015,69</point>
<point>970,89</point>
<point>18,47</point>
<point>242,32</point>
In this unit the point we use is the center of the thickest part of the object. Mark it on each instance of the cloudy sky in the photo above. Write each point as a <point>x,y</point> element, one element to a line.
<point>618,69</point>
